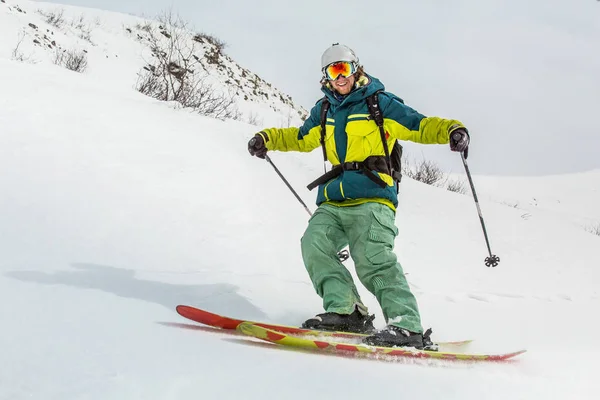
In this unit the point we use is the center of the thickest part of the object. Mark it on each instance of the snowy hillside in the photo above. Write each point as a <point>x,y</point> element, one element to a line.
<point>117,47</point>
<point>572,197</point>
<point>115,207</point>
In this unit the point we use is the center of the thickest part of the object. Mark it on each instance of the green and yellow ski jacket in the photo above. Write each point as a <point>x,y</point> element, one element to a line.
<point>352,136</point>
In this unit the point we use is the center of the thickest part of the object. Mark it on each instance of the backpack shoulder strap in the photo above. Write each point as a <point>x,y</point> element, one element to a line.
<point>374,110</point>
<point>324,109</point>
<point>377,115</point>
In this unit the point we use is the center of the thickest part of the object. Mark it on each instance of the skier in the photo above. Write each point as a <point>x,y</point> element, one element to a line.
<point>357,199</point>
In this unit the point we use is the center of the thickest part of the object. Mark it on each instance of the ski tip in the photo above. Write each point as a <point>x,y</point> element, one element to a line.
<point>516,353</point>
<point>181,307</point>
<point>505,356</point>
<point>184,311</point>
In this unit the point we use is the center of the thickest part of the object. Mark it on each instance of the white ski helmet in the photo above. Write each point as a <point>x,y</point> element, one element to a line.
<point>338,52</point>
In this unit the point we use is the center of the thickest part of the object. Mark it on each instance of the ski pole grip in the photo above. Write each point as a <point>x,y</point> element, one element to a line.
<point>456,136</point>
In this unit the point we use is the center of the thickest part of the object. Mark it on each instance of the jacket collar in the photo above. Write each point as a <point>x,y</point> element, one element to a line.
<point>363,88</point>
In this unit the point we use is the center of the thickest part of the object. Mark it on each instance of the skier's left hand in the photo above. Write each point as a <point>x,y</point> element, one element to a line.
<point>459,141</point>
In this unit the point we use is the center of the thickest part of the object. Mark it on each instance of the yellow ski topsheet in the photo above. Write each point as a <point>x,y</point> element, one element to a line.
<point>291,341</point>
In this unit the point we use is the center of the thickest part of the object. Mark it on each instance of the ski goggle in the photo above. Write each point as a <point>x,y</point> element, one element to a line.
<point>343,68</point>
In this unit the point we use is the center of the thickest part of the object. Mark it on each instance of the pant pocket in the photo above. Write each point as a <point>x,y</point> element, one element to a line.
<point>380,239</point>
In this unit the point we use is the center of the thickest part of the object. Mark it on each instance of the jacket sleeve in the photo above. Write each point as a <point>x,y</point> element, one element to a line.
<point>404,123</point>
<point>304,139</point>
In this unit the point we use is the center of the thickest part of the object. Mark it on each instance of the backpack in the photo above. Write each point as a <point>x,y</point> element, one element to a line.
<point>393,159</point>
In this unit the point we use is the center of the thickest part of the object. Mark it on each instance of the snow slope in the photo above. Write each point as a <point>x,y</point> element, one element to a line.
<point>115,208</point>
<point>117,49</point>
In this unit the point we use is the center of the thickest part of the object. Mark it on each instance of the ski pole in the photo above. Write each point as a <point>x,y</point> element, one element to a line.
<point>288,185</point>
<point>343,254</point>
<point>492,260</point>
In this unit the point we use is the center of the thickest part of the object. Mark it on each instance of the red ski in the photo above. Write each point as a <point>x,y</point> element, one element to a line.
<point>219,321</point>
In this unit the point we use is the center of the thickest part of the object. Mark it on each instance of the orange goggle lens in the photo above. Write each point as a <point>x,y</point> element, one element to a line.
<point>343,68</point>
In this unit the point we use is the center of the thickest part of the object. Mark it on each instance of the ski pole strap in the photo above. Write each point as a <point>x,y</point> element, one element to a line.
<point>365,167</point>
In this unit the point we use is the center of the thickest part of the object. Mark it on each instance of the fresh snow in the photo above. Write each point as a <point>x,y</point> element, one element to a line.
<point>116,207</point>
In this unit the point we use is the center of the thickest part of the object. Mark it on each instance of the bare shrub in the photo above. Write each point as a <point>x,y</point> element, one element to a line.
<point>151,84</point>
<point>288,118</point>
<point>146,27</point>
<point>86,33</point>
<point>205,37</point>
<point>78,22</point>
<point>75,60</point>
<point>594,229</point>
<point>424,171</point>
<point>253,119</point>
<point>55,18</point>
<point>85,29</point>
<point>456,186</point>
<point>430,173</point>
<point>177,74</point>
<point>17,54</point>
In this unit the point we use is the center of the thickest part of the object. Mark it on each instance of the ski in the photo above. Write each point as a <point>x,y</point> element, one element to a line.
<point>283,339</point>
<point>219,321</point>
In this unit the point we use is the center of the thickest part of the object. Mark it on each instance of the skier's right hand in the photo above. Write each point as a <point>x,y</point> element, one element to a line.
<point>256,146</point>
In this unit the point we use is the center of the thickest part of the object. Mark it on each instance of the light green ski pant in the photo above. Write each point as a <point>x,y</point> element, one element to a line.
<point>369,229</point>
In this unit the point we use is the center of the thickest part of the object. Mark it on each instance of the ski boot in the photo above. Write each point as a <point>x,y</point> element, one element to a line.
<point>330,321</point>
<point>394,336</point>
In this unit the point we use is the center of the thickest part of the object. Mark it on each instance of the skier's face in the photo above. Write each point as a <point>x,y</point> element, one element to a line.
<point>343,85</point>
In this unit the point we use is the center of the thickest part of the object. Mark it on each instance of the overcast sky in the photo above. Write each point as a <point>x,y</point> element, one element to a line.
<point>522,75</point>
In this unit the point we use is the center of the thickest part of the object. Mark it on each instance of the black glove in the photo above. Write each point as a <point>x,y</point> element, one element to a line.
<point>459,140</point>
<point>256,146</point>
